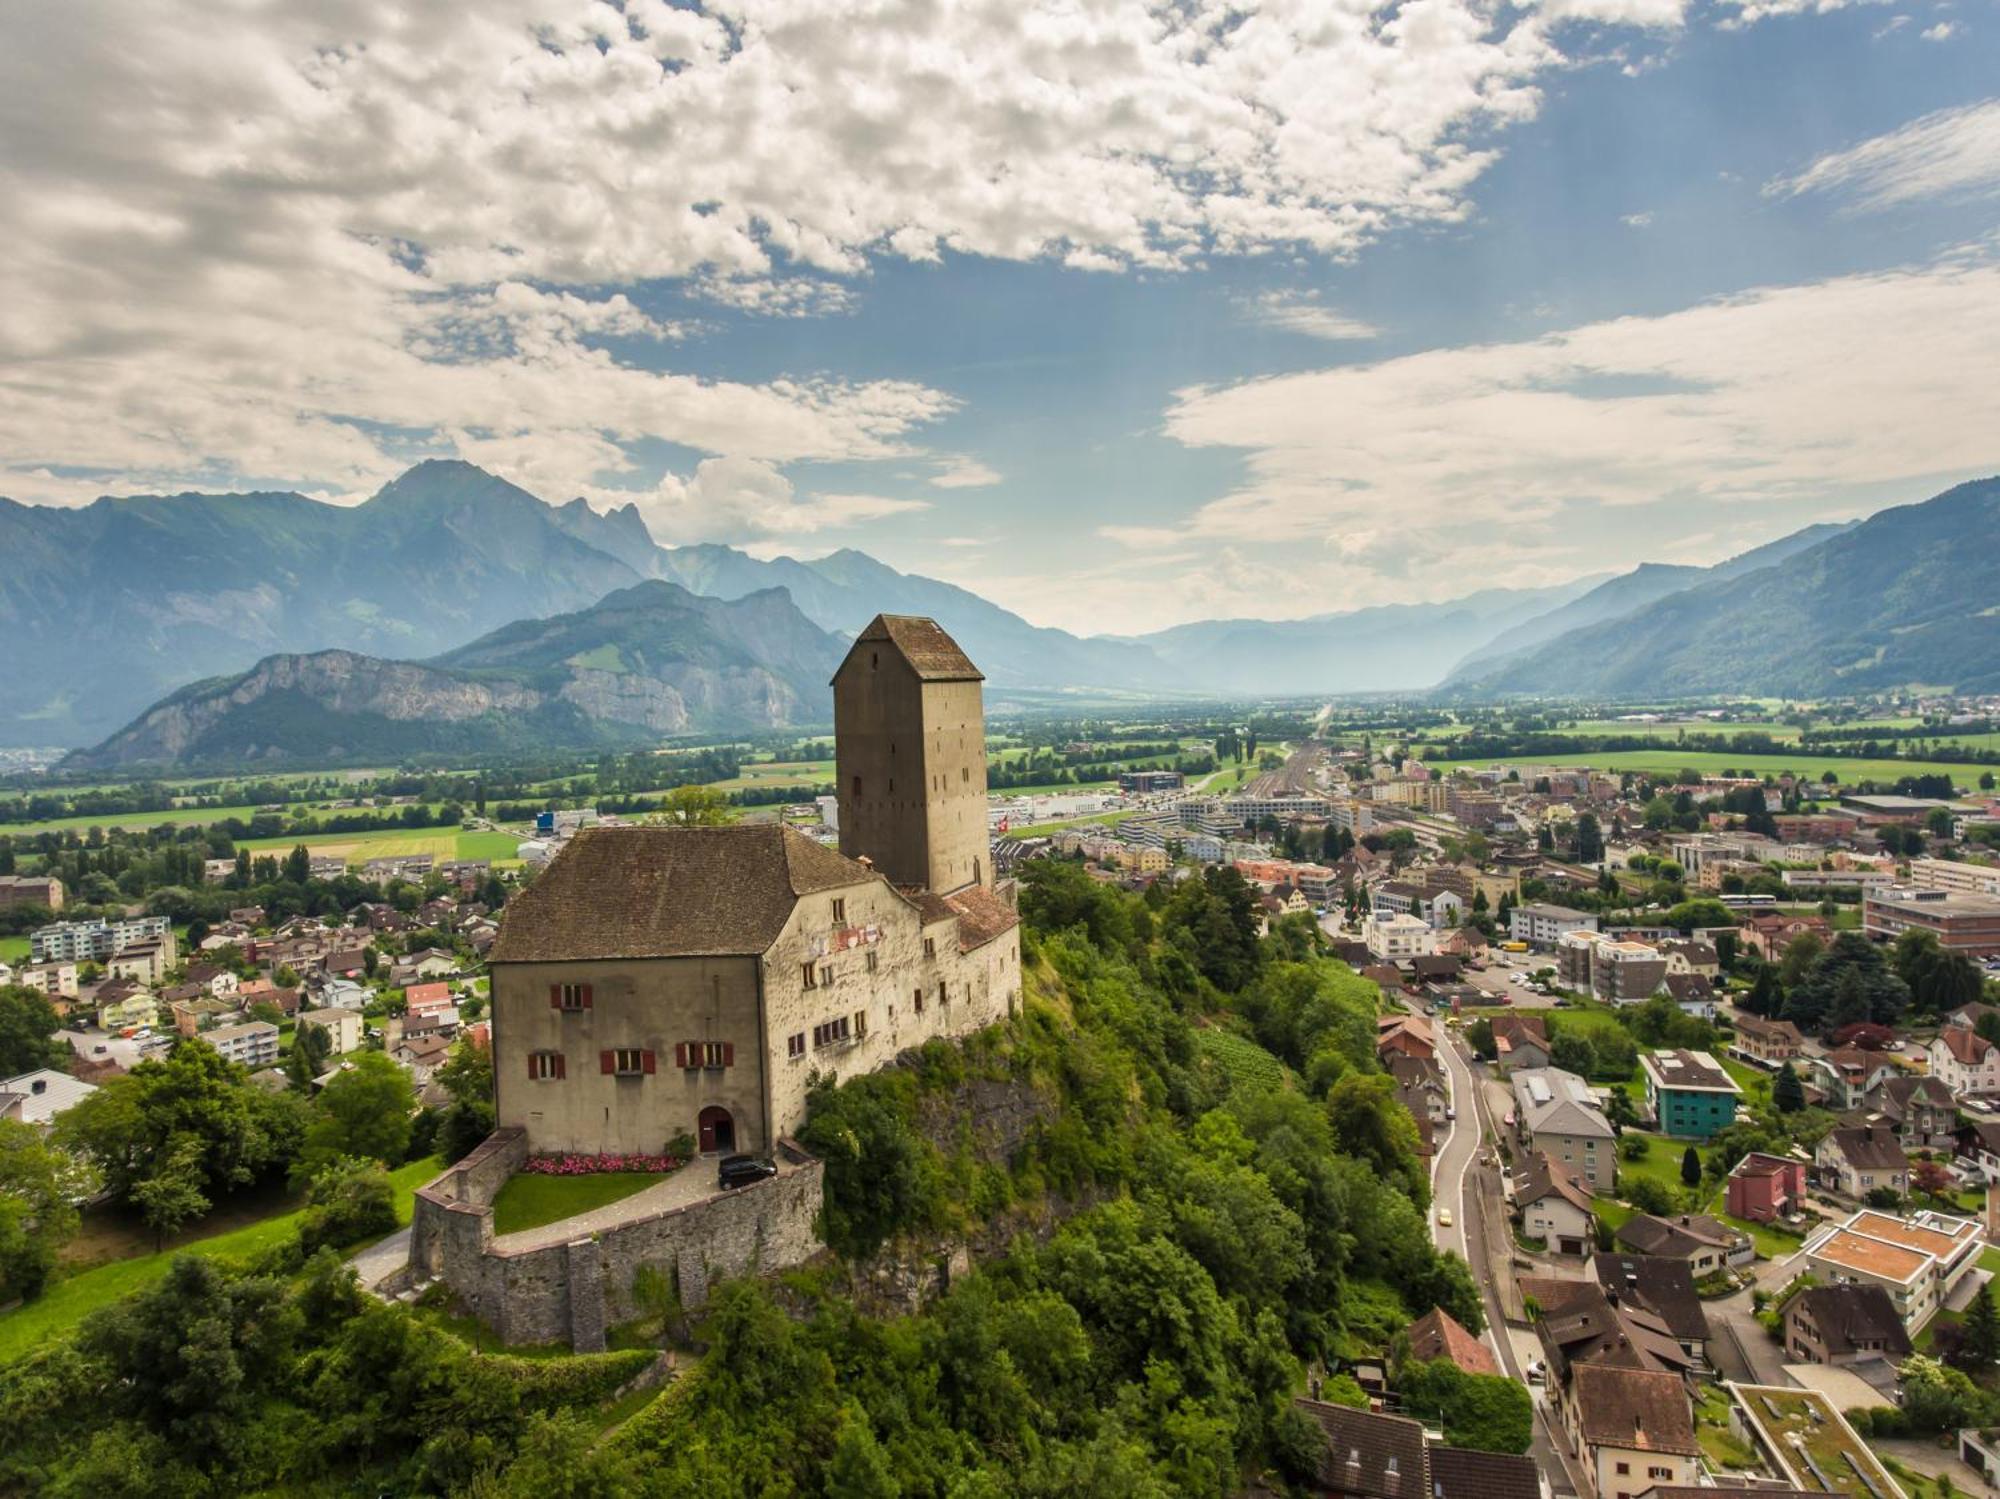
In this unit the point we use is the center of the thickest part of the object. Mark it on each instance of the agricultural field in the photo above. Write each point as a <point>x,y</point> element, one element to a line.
<point>1246,1064</point>
<point>766,773</point>
<point>184,816</point>
<point>1668,760</point>
<point>439,843</point>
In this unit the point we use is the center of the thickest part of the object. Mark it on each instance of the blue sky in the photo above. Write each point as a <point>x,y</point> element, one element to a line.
<point>1120,318</point>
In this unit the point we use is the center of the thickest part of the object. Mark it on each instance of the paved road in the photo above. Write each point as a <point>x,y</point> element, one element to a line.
<point>1471,1191</point>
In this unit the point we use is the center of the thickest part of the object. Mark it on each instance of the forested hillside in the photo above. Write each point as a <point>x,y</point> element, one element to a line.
<point>1187,1179</point>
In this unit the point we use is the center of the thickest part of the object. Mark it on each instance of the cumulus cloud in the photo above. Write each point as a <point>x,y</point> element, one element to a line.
<point>747,500</point>
<point>957,471</point>
<point>1638,220</point>
<point>1951,153</point>
<point>1303,312</point>
<point>250,240</point>
<point>1944,31</point>
<point>1778,395</point>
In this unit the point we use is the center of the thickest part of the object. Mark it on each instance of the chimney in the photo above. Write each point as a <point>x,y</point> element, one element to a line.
<point>866,863</point>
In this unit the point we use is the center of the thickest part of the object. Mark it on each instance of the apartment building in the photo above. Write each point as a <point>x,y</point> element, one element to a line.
<point>1960,922</point>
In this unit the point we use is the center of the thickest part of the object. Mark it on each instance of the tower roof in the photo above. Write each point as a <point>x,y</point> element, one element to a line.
<point>932,654</point>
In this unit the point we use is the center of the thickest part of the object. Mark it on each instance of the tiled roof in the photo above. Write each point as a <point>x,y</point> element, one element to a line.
<point>668,892</point>
<point>933,654</point>
<point>1376,1456</point>
<point>1680,1235</point>
<point>1968,1047</point>
<point>1437,1334</point>
<point>1461,1473</point>
<point>1542,1177</point>
<point>1850,1317</point>
<point>982,915</point>
<point>1870,1148</point>
<point>1641,1409</point>
<point>1659,1284</point>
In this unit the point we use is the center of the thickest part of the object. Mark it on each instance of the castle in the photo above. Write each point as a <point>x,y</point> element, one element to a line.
<point>660,981</point>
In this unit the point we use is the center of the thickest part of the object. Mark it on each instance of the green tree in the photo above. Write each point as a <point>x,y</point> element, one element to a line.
<point>696,806</point>
<point>1979,1344</point>
<point>298,864</point>
<point>364,1110</point>
<point>350,1200</point>
<point>169,1196</point>
<point>1691,1167</point>
<point>467,1076</point>
<point>1371,1124</point>
<point>311,1046</point>
<point>1788,1093</point>
<point>1480,1411</point>
<point>1589,839</point>
<point>28,1024</point>
<point>39,1189</point>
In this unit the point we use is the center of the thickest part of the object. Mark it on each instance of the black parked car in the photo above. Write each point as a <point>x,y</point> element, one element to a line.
<point>741,1170</point>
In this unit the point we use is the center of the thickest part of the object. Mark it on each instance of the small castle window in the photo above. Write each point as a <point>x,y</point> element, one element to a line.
<point>795,1045</point>
<point>873,959</point>
<point>839,911</point>
<point>920,1001</point>
<point>809,977</point>
<point>860,1024</point>
<point>628,1061</point>
<point>545,1066</point>
<point>930,947</point>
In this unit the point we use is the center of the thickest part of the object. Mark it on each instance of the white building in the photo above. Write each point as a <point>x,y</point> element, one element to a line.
<point>1394,937</point>
<point>1541,925</point>
<point>1919,1260</point>
<point>82,941</point>
<point>37,1097</point>
<point>342,1027</point>
<point>253,1043</point>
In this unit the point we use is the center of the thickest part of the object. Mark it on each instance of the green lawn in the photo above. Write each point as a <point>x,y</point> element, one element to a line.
<point>69,1301</point>
<point>1662,1163</point>
<point>13,949</point>
<point>529,1200</point>
<point>1612,1211</point>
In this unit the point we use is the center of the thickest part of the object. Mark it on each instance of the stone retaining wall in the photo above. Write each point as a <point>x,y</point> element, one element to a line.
<point>570,1292</point>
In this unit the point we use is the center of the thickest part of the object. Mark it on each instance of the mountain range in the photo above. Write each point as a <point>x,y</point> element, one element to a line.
<point>644,663</point>
<point>118,605</point>
<point>1910,596</point>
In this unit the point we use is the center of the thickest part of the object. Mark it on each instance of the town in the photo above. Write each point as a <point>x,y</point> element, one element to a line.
<point>1700,1072</point>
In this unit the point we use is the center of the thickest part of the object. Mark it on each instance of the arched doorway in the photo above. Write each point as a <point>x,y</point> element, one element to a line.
<point>718,1130</point>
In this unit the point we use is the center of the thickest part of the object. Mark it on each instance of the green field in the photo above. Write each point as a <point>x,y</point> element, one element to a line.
<point>441,843</point>
<point>1669,760</point>
<point>184,816</point>
<point>70,1300</point>
<point>777,773</point>
<point>13,949</point>
<point>529,1199</point>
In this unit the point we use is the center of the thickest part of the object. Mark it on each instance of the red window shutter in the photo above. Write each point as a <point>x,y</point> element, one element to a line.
<point>531,1066</point>
<point>586,996</point>
<point>562,1067</point>
<point>607,1062</point>
<point>729,1053</point>
<point>555,996</point>
<point>647,1059</point>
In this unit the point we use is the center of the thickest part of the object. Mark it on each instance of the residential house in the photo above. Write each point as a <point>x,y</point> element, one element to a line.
<point>1858,1159</point>
<point>1688,1093</point>
<point>1437,1334</point>
<point>1393,938</point>
<point>1691,993</point>
<point>421,1056</point>
<point>1406,1033</point>
<point>1709,1245</point>
<point>1625,973</point>
<point>431,963</point>
<point>1540,925</point>
<point>1965,1061</point>
<point>1918,1260</point>
<point>1920,1110</point>
<point>1977,1149</point>
<point>1374,1455</point>
<point>254,1043</point>
<point>1764,1188</point>
<point>137,1011</point>
<point>341,994</point>
<point>1692,955</point>
<point>1555,1206</point>
<point>53,979</point>
<point>1662,1285</point>
<point>37,1097</point>
<point>1519,1040</point>
<point>1632,1429</point>
<point>1846,1073</point>
<point>1769,934</point>
<point>1557,1115</point>
<point>1769,1043</point>
<point>1844,1324</point>
<point>343,1028</point>
<point>1435,969</point>
<point>426,999</point>
<point>1421,1085</point>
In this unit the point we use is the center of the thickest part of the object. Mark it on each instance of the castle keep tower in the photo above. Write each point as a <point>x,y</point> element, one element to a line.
<point>910,756</point>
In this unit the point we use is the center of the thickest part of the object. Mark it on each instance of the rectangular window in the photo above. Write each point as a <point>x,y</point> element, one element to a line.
<point>874,959</point>
<point>1659,1472</point>
<point>860,1024</point>
<point>826,978</point>
<point>944,995</point>
<point>1624,1468</point>
<point>920,1001</point>
<point>545,1066</point>
<point>809,978</point>
<point>795,1045</point>
<point>830,1032</point>
<point>930,947</point>
<point>569,996</point>
<point>839,911</point>
<point>627,1061</point>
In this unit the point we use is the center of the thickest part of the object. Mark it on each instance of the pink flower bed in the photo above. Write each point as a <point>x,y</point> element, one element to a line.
<point>591,1165</point>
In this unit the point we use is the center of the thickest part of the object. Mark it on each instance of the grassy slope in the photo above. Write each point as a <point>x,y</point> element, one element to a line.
<point>69,1301</point>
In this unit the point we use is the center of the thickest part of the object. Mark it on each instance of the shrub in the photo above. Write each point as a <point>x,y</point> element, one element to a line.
<point>350,1200</point>
<point>548,1384</point>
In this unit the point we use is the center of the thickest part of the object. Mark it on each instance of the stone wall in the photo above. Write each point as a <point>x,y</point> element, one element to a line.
<point>453,1213</point>
<point>572,1291</point>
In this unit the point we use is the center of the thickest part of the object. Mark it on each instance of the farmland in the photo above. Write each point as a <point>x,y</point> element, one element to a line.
<point>1668,760</point>
<point>440,843</point>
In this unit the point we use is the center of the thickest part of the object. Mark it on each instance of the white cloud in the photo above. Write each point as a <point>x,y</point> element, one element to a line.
<point>247,240</point>
<point>747,500</point>
<point>1637,220</point>
<point>1952,153</point>
<point>1644,13</point>
<point>1749,12</point>
<point>957,471</point>
<point>1302,312</point>
<point>1943,31</point>
<point>1783,396</point>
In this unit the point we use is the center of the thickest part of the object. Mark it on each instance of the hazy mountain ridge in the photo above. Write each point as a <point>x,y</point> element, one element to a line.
<point>1629,592</point>
<point>1909,596</point>
<point>646,662</point>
